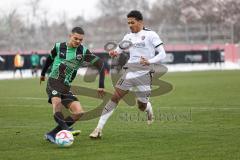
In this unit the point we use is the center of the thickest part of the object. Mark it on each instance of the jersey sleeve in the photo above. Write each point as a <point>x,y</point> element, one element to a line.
<point>90,57</point>
<point>53,52</point>
<point>155,40</point>
<point>98,63</point>
<point>49,59</point>
<point>47,64</point>
<point>160,56</point>
<point>118,49</point>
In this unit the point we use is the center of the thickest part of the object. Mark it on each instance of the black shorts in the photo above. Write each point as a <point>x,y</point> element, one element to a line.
<point>56,88</point>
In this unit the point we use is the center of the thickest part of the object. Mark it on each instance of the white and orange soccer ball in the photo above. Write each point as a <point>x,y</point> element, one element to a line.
<point>64,138</point>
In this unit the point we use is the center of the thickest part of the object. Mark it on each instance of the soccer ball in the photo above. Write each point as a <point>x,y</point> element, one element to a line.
<point>64,138</point>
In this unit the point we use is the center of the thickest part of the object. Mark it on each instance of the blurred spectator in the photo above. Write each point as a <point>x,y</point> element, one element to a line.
<point>2,59</point>
<point>34,63</point>
<point>18,63</point>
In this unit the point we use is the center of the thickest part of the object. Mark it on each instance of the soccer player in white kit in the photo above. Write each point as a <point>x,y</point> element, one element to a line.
<point>142,53</point>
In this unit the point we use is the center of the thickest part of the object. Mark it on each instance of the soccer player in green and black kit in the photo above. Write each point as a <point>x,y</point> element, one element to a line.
<point>66,58</point>
<point>34,63</point>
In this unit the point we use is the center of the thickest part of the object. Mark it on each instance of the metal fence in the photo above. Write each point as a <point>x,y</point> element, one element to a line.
<point>180,34</point>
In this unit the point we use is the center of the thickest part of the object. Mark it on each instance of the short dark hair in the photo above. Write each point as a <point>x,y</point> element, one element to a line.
<point>135,14</point>
<point>78,30</point>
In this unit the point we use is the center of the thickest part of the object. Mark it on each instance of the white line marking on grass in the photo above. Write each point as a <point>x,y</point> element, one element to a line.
<point>25,98</point>
<point>203,108</point>
<point>131,107</point>
<point>26,105</point>
<point>192,108</point>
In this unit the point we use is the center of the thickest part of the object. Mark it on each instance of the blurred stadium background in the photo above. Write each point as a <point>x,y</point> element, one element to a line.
<point>194,32</point>
<point>198,119</point>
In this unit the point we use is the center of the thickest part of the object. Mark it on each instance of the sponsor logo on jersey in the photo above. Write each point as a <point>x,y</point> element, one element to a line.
<point>139,45</point>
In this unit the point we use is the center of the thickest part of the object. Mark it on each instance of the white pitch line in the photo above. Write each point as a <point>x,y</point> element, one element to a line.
<point>192,108</point>
<point>24,105</point>
<point>202,108</point>
<point>25,98</point>
<point>156,107</point>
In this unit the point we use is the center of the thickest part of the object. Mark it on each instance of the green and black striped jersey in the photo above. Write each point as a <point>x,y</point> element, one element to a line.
<point>67,60</point>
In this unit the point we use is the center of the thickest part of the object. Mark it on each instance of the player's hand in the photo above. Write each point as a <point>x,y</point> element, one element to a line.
<point>42,78</point>
<point>101,92</point>
<point>113,53</point>
<point>144,61</point>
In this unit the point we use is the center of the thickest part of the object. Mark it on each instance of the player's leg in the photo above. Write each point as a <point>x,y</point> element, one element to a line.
<point>35,70</point>
<point>32,70</point>
<point>146,107</point>
<point>107,112</point>
<point>60,97</point>
<point>76,110</point>
<point>144,104</point>
<point>14,71</point>
<point>76,113</point>
<point>58,117</point>
<point>72,103</point>
<point>57,113</point>
<point>55,99</point>
<point>20,69</point>
<point>121,89</point>
<point>143,93</point>
<point>110,107</point>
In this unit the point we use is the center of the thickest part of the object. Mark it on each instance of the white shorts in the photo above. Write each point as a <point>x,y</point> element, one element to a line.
<point>140,85</point>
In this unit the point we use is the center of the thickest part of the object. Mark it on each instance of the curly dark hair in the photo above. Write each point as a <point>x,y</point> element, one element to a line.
<point>135,14</point>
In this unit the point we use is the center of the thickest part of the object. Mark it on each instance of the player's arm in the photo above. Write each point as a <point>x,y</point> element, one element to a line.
<point>99,64</point>
<point>160,56</point>
<point>118,50</point>
<point>48,63</point>
<point>158,45</point>
<point>156,59</point>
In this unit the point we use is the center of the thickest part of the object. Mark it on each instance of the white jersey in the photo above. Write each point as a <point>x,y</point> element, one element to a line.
<point>144,44</point>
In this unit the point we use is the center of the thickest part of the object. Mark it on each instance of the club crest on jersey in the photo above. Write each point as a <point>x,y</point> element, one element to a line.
<point>143,37</point>
<point>79,57</point>
<point>54,92</point>
<point>61,54</point>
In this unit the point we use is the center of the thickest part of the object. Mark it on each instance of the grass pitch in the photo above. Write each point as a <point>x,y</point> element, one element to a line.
<point>198,120</point>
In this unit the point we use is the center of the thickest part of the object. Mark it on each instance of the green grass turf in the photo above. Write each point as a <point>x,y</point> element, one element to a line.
<point>198,120</point>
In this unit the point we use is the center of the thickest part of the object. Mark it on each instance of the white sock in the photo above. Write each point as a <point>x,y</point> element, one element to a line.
<point>149,107</point>
<point>107,112</point>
